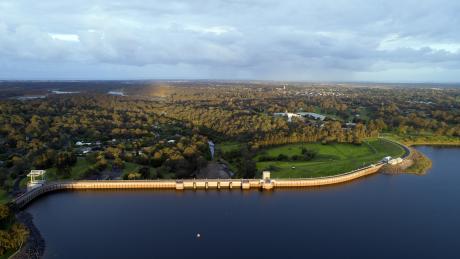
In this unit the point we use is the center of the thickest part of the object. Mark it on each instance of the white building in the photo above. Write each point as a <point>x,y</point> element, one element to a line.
<point>300,114</point>
<point>392,161</point>
<point>37,179</point>
<point>86,150</point>
<point>386,159</point>
<point>395,161</point>
<point>313,115</point>
<point>287,114</point>
<point>81,143</point>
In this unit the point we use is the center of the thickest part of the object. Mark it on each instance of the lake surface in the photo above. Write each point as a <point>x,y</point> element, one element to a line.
<point>381,216</point>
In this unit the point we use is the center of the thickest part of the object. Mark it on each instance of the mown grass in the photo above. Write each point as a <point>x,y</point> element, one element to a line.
<point>331,159</point>
<point>228,146</point>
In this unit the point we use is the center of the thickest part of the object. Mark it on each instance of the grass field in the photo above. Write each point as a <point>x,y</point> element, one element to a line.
<point>228,146</point>
<point>76,172</point>
<point>331,159</point>
<point>4,197</point>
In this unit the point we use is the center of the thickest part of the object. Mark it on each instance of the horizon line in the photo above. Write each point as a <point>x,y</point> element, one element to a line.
<point>232,80</point>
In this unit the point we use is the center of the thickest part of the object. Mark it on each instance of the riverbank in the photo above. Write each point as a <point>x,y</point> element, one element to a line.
<point>416,163</point>
<point>35,245</point>
<point>421,163</point>
<point>423,140</point>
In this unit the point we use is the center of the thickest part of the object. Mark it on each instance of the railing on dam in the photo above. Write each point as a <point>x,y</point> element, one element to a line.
<point>29,196</point>
<point>407,150</point>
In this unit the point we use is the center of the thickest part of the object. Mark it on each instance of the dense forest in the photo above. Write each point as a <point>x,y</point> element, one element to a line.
<point>165,128</point>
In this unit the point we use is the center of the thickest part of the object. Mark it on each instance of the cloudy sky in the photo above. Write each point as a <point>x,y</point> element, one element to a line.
<point>324,40</point>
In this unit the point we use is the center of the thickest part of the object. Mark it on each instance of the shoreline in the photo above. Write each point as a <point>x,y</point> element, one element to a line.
<point>419,163</point>
<point>434,144</point>
<point>35,244</point>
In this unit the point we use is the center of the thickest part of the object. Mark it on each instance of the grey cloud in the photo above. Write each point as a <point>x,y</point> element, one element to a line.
<point>216,38</point>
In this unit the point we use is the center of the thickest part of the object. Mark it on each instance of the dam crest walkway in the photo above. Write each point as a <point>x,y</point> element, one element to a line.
<point>191,184</point>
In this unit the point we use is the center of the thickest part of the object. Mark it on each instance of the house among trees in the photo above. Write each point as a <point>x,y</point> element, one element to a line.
<point>81,143</point>
<point>310,115</point>
<point>85,150</point>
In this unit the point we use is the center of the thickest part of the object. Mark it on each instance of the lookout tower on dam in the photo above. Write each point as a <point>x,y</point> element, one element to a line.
<point>36,179</point>
<point>266,182</point>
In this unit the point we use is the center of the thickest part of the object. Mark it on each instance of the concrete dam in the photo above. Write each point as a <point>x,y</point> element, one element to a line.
<point>192,184</point>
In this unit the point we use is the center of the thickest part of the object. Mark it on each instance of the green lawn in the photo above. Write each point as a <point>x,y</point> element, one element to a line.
<point>364,114</point>
<point>76,172</point>
<point>228,146</point>
<point>331,159</point>
<point>4,197</point>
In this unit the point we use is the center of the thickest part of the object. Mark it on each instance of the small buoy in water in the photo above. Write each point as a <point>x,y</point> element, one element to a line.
<point>198,235</point>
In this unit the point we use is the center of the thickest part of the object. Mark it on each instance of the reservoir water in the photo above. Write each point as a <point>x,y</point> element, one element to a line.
<point>381,216</point>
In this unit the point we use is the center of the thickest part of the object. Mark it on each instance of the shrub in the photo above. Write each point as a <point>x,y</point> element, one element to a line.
<point>282,157</point>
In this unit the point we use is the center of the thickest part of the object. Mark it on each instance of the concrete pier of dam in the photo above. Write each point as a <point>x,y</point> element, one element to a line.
<point>192,184</point>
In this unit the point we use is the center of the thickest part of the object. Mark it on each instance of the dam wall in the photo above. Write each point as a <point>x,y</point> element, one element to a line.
<point>191,184</point>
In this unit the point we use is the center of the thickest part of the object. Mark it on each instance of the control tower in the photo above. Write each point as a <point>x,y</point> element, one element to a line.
<point>36,179</point>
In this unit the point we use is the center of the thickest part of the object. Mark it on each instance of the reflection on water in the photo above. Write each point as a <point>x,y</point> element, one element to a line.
<point>381,216</point>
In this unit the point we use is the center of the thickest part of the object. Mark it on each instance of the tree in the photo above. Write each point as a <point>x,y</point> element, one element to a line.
<point>4,212</point>
<point>18,235</point>
<point>246,167</point>
<point>144,172</point>
<point>12,236</point>
<point>45,160</point>
<point>118,163</point>
<point>134,176</point>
